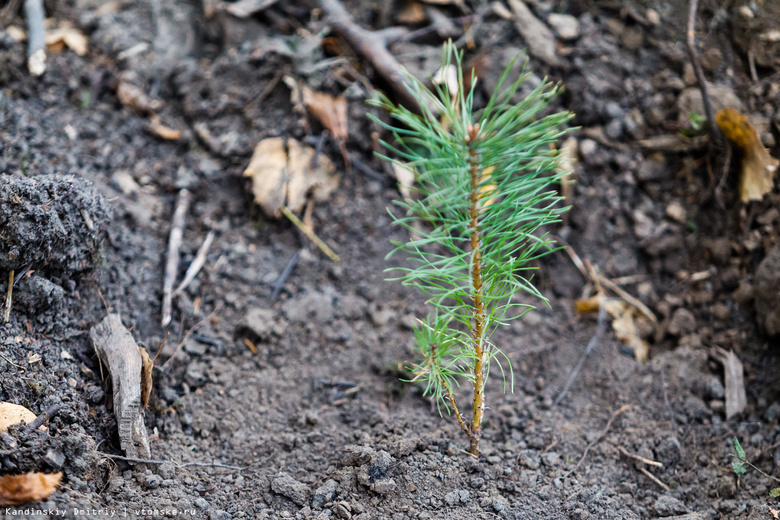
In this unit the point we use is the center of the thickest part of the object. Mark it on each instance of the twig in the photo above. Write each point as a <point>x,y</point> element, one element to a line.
<point>197,263</point>
<point>598,439</point>
<point>20,367</point>
<point>36,40</point>
<point>158,462</point>
<point>600,325</point>
<point>288,269</point>
<point>654,479</point>
<point>172,260</point>
<point>45,416</point>
<point>641,459</point>
<point>690,43</point>
<point>309,232</point>
<point>9,297</point>
<point>372,46</point>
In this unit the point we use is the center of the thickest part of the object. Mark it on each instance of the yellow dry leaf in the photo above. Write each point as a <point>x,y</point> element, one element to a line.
<point>330,111</point>
<point>160,130</point>
<point>307,178</point>
<point>756,177</point>
<point>11,414</point>
<point>287,175</point>
<point>66,36</point>
<point>623,317</point>
<point>146,377</point>
<point>268,171</point>
<point>16,490</point>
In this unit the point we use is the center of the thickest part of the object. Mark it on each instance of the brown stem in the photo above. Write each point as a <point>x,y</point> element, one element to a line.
<point>479,306</point>
<point>450,396</point>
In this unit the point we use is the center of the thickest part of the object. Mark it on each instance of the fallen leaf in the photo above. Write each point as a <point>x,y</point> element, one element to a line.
<point>268,171</point>
<point>146,377</point>
<point>11,414</point>
<point>16,490</point>
<point>160,130</point>
<point>286,176</point>
<point>330,111</point>
<point>756,177</point>
<point>307,176</point>
<point>66,36</point>
<point>411,13</point>
<point>623,321</point>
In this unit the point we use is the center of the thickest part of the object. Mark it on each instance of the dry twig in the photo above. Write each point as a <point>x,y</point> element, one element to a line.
<point>9,297</point>
<point>309,232</point>
<point>372,46</point>
<point>197,263</point>
<point>172,259</point>
<point>690,43</point>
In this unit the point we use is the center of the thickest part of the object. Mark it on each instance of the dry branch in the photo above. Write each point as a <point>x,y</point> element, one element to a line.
<point>172,259</point>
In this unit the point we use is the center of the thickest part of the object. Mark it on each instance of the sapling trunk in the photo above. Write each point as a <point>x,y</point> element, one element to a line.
<point>485,181</point>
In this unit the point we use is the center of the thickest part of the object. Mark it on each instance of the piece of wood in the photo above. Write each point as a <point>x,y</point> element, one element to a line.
<point>117,348</point>
<point>172,259</point>
<point>736,398</point>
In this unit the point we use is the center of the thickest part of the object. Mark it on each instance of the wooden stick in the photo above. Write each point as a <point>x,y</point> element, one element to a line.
<point>36,40</point>
<point>639,458</point>
<point>372,46</point>
<point>172,260</point>
<point>197,263</point>
<point>654,479</point>
<point>8,297</point>
<point>309,232</point>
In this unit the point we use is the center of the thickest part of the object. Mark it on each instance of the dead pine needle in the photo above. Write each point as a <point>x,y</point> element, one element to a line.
<point>309,232</point>
<point>598,439</point>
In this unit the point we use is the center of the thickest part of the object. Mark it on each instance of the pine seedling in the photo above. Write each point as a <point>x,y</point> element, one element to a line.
<point>485,188</point>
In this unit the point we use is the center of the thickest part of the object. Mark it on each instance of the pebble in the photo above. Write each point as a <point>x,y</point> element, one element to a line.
<point>667,505</point>
<point>566,26</point>
<point>55,458</point>
<point>530,458</point>
<point>167,470</point>
<point>152,481</point>
<point>260,321</point>
<point>219,515</point>
<point>283,484</point>
<point>772,413</point>
<point>683,322</point>
<point>325,493</point>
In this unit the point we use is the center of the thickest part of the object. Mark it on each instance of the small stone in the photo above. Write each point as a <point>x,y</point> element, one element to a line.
<point>325,493</point>
<point>772,413</point>
<point>727,487</point>
<point>341,511</point>
<point>152,481</point>
<point>167,470</point>
<point>219,515</point>
<point>452,498</point>
<point>55,458</point>
<point>588,147</point>
<point>683,322</point>
<point>551,459</point>
<point>530,458</point>
<point>201,503</point>
<point>720,311</point>
<point>653,17</point>
<point>260,321</point>
<point>94,394</point>
<point>283,484</point>
<point>667,505</point>
<point>566,26</point>
<point>384,486</point>
<point>676,211</point>
<point>499,504</point>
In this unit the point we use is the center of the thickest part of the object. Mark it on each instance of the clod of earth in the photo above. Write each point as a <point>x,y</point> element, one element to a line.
<point>51,223</point>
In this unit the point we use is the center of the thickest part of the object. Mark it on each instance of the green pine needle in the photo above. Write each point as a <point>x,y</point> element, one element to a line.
<point>486,175</point>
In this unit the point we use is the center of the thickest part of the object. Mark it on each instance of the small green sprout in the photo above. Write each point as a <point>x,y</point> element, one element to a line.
<point>740,461</point>
<point>485,188</point>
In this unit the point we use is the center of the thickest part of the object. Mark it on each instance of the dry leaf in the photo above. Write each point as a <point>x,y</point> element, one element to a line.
<point>16,490</point>
<point>66,36</point>
<point>163,131</point>
<point>411,13</point>
<point>308,178</point>
<point>623,321</point>
<point>11,414</point>
<point>566,167</point>
<point>756,177</point>
<point>283,179</point>
<point>134,97</point>
<point>146,377</point>
<point>330,111</point>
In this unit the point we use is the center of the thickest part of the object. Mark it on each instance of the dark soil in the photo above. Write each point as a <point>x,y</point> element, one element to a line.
<point>318,420</point>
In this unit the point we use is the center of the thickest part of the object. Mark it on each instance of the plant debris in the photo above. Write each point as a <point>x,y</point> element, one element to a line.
<point>16,490</point>
<point>11,414</point>
<point>757,173</point>
<point>623,321</point>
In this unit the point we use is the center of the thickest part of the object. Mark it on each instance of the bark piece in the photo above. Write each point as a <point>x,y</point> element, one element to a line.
<point>117,348</point>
